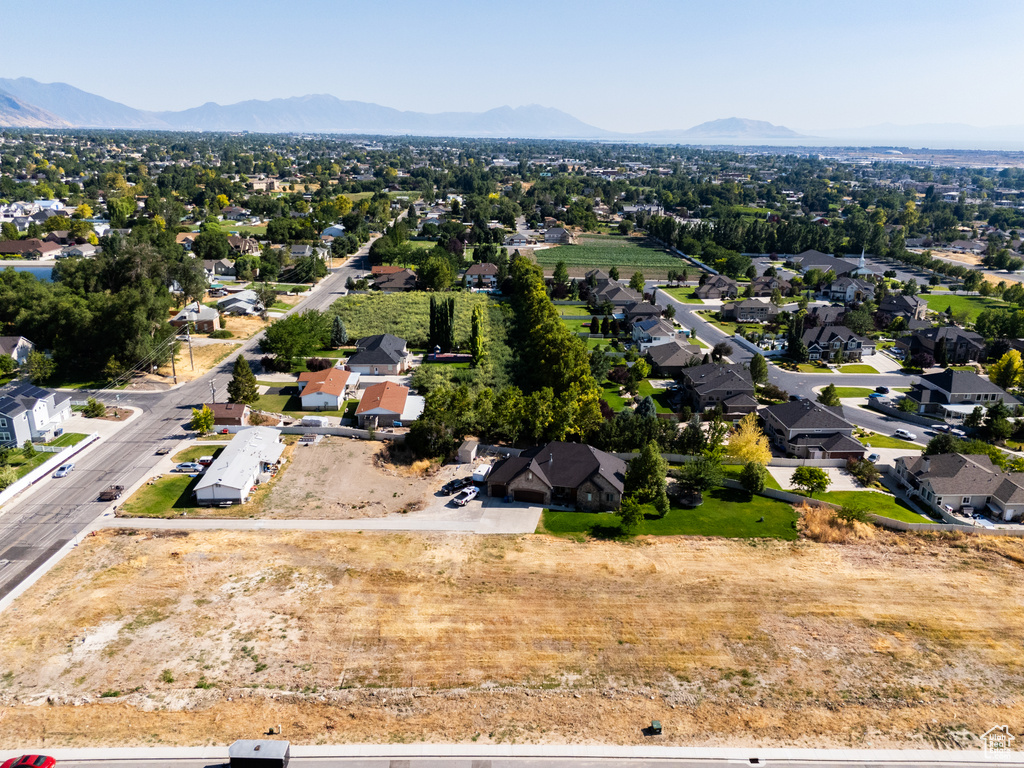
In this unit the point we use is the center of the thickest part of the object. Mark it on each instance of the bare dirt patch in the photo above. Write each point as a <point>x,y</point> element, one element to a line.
<point>902,641</point>
<point>204,357</point>
<point>245,326</point>
<point>340,478</point>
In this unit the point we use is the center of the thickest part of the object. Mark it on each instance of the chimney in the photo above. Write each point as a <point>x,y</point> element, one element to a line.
<point>926,464</point>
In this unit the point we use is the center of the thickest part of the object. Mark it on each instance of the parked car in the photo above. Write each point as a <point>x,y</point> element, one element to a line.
<point>189,466</point>
<point>465,496</point>
<point>455,485</point>
<point>874,457</point>
<point>882,390</point>
<point>876,396</point>
<point>113,493</point>
<point>64,469</point>
<point>205,460</point>
<point>30,761</point>
<point>904,434</point>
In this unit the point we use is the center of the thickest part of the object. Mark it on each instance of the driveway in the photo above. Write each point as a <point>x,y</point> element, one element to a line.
<point>841,479</point>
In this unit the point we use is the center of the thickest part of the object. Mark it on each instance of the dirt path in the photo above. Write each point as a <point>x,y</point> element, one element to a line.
<point>901,641</point>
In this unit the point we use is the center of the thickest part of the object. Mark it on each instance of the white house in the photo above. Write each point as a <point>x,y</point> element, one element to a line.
<point>17,347</point>
<point>652,332</point>
<point>251,456</point>
<point>335,230</point>
<point>28,412</point>
<point>326,390</point>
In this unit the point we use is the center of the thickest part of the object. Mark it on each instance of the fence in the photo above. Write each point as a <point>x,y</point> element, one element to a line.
<point>45,468</point>
<point>361,434</point>
<point>792,498</point>
<point>750,346</point>
<point>679,458</point>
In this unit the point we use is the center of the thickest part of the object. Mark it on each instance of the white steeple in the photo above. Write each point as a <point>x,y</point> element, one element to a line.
<point>861,264</point>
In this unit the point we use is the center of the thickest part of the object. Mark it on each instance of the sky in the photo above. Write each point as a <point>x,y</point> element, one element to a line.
<point>623,66</point>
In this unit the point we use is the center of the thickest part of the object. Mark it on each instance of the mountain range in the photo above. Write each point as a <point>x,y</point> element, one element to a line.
<point>25,102</point>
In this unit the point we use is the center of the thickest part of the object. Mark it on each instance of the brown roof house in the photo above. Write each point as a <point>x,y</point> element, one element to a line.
<point>326,390</point>
<point>229,414</point>
<point>483,275</point>
<point>717,287</point>
<point>32,248</point>
<point>566,474</point>
<point>388,404</point>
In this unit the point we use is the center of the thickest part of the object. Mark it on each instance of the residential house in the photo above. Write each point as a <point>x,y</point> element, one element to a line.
<point>300,251</point>
<point>558,235</point>
<point>953,395</point>
<point>717,287</point>
<point>707,386</point>
<point>335,230</point>
<point>385,269</point>
<point>31,248</point>
<point>766,285</point>
<point>185,239</point>
<point>397,282</point>
<point>907,307</point>
<point>836,342</point>
<point>822,315</point>
<point>386,404</point>
<point>595,276</point>
<point>961,346</point>
<point>963,484</point>
<point>219,267</point>
<point>650,332</point>
<point>641,310</point>
<point>28,412</point>
<point>564,474</point>
<point>669,358</point>
<point>244,245</point>
<point>750,311</point>
<point>233,213</point>
<point>850,290</point>
<point>518,240</point>
<point>250,458</point>
<point>811,430</point>
<point>262,185</point>
<point>242,303</point>
<point>482,275</point>
<point>17,347</point>
<point>59,236</point>
<point>229,414</point>
<point>326,390</point>
<point>615,293</point>
<point>380,355</point>
<point>202,318</point>
<point>80,251</point>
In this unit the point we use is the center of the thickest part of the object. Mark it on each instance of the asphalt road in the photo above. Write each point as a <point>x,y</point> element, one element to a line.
<point>40,524</point>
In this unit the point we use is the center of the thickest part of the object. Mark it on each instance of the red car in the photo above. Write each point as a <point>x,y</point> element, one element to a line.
<point>30,761</point>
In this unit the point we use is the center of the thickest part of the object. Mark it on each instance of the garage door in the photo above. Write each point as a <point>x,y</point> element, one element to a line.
<point>533,497</point>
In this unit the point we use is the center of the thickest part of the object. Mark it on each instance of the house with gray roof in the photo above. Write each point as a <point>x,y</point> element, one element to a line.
<point>670,358</point>
<point>963,484</point>
<point>614,293</point>
<point>707,386</point>
<point>810,430</point>
<point>901,305</point>
<point>241,303</point>
<point>836,342</point>
<point>251,457</point>
<point>750,311</point>
<point>962,346</point>
<point>28,412</point>
<point>202,318</point>
<point>17,347</point>
<point>717,287</point>
<point>564,474</point>
<point>850,290</point>
<point>953,395</point>
<point>384,354</point>
<point>652,331</point>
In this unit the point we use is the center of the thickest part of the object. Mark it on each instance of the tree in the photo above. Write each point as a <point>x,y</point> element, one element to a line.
<point>202,420</point>
<point>476,338</point>
<point>39,367</point>
<point>720,350</point>
<point>646,409</point>
<point>561,276</point>
<point>691,440</point>
<point>8,476</point>
<point>860,321</point>
<point>701,474</point>
<point>94,409</point>
<point>339,334</point>
<point>636,282</point>
<point>828,396</point>
<point>810,479</point>
<point>600,365</point>
<point>243,388</point>
<point>7,365</point>
<point>441,331</point>
<point>298,335</point>
<point>645,474</point>
<point>631,514</point>
<point>748,442</point>
<point>436,274</point>
<point>28,450</point>
<point>266,295</point>
<point>941,354</point>
<point>1008,371</point>
<point>752,477</point>
<point>613,273</point>
<point>759,369</point>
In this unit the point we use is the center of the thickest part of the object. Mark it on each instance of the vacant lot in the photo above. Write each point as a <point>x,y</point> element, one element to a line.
<point>344,479</point>
<point>407,315</point>
<point>902,641</point>
<point>972,305</point>
<point>604,251</point>
<point>204,357</point>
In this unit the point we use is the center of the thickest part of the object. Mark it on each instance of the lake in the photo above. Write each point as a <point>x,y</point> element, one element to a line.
<point>43,273</point>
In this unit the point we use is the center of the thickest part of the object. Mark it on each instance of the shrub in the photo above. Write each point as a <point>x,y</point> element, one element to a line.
<point>222,334</point>
<point>773,392</point>
<point>318,363</point>
<point>167,676</point>
<point>271,363</point>
<point>94,408</point>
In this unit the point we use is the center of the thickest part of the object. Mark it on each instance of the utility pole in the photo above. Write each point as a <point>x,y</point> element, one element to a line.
<point>174,372</point>
<point>213,390</point>
<point>188,338</point>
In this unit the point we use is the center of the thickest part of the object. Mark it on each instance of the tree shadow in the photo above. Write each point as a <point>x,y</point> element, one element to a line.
<point>607,531</point>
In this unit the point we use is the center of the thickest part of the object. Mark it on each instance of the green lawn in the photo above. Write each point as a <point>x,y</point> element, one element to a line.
<point>407,315</point>
<point>67,439</point>
<point>289,405</point>
<point>876,503</point>
<point>853,391</point>
<point>572,309</point>
<point>168,494</point>
<point>732,471</point>
<point>876,440</point>
<point>575,324</point>
<point>336,353</point>
<point>973,305</point>
<point>243,229</point>
<point>731,328</point>
<point>604,251</point>
<point>682,293</point>
<point>811,368</point>
<point>857,368</point>
<point>22,465</point>
<point>725,512</point>
<point>660,396</point>
<point>612,397</point>
<point>194,453</point>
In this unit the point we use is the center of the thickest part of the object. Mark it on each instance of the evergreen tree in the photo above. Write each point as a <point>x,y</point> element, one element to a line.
<point>339,334</point>
<point>476,341</point>
<point>242,388</point>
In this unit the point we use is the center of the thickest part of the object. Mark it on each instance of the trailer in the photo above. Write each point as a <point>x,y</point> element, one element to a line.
<point>113,493</point>
<point>259,753</point>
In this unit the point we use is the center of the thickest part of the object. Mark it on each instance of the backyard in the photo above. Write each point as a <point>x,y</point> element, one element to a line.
<point>972,305</point>
<point>407,315</point>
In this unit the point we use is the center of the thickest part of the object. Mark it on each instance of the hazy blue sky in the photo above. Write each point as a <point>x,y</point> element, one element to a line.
<point>628,66</point>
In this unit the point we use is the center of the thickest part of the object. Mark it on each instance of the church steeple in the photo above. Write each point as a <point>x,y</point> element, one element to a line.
<point>860,265</point>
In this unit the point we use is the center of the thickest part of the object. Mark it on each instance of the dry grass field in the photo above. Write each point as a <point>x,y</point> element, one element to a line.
<point>195,639</point>
<point>204,357</point>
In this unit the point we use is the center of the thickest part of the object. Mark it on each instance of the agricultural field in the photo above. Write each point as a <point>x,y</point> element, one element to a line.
<point>406,315</point>
<point>604,251</point>
<point>972,305</point>
<point>139,638</point>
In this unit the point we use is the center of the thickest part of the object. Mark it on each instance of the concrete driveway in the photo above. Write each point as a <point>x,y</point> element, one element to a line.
<point>841,479</point>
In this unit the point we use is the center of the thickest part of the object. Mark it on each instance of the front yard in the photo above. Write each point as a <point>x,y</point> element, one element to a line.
<point>683,293</point>
<point>725,512</point>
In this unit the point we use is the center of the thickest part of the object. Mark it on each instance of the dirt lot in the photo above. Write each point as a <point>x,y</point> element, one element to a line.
<point>205,356</point>
<point>245,326</point>
<point>900,641</point>
<point>340,479</point>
